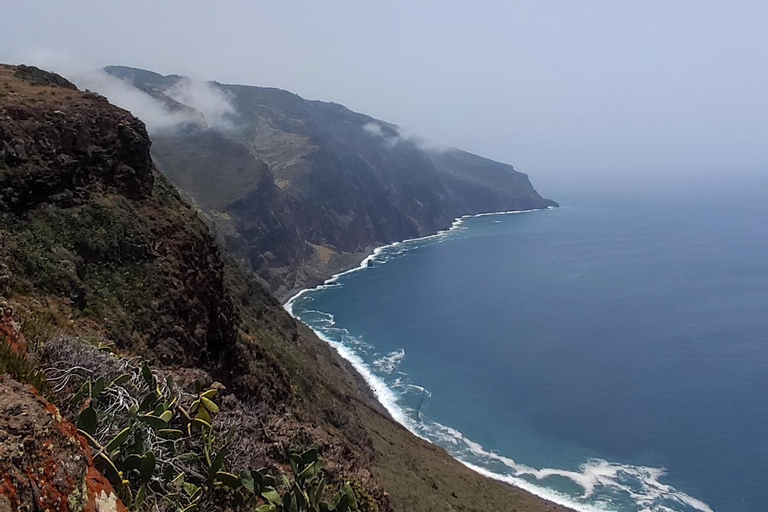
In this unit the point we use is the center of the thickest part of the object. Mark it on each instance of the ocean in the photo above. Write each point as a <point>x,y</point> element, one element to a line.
<point>611,354</point>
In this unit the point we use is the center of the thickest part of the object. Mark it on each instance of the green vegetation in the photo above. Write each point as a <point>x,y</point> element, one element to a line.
<point>21,368</point>
<point>72,251</point>
<point>158,446</point>
<point>96,254</point>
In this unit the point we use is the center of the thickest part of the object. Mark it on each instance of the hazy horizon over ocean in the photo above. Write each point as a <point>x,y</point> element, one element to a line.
<point>578,351</point>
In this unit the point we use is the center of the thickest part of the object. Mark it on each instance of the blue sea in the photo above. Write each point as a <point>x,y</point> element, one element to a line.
<point>611,354</point>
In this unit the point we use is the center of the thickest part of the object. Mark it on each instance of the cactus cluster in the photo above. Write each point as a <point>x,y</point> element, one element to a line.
<point>305,494</point>
<point>162,455</point>
<point>156,446</point>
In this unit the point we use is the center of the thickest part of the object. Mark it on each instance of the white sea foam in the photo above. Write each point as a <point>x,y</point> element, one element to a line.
<point>378,251</point>
<point>407,387</point>
<point>599,479</point>
<point>389,363</point>
<point>383,393</point>
<point>640,483</point>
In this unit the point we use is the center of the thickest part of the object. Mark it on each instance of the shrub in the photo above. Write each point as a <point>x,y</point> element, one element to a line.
<point>21,368</point>
<point>157,445</point>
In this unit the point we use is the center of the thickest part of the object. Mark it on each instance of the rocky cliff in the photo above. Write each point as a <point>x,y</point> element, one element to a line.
<point>103,268</point>
<point>299,189</point>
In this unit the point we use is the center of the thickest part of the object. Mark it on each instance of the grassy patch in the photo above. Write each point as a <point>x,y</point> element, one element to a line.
<point>98,255</point>
<point>21,368</point>
<point>121,295</point>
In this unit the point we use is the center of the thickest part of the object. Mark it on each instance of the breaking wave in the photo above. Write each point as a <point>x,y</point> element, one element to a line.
<point>383,254</point>
<point>596,486</point>
<point>389,363</point>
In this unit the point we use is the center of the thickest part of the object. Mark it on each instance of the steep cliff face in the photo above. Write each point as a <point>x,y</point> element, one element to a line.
<point>85,216</point>
<point>97,248</point>
<point>299,189</point>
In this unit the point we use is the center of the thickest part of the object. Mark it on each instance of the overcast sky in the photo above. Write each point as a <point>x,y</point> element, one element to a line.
<point>562,90</point>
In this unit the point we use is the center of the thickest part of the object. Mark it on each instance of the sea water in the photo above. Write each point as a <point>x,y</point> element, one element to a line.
<point>611,354</point>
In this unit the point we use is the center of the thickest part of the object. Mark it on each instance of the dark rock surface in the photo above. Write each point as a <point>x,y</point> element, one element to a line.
<point>85,215</point>
<point>111,147</point>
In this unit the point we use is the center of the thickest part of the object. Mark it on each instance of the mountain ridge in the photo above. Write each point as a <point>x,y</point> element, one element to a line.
<point>333,183</point>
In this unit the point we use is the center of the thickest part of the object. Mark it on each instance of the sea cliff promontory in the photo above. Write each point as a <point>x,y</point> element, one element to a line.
<point>298,190</point>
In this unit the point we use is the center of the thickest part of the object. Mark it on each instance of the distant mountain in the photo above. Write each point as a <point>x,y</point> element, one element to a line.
<point>300,189</point>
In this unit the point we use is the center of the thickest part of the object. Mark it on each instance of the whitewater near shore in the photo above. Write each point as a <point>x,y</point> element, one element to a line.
<point>385,394</point>
<point>596,484</point>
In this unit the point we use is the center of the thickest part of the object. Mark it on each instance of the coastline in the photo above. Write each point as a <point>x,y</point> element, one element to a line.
<point>386,397</point>
<point>370,255</point>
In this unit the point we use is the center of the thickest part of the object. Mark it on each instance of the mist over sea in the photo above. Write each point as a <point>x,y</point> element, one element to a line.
<point>611,354</point>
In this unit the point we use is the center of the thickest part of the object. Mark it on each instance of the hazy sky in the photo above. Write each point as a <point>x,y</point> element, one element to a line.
<point>559,89</point>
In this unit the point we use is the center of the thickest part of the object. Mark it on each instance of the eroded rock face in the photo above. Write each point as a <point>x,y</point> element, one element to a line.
<point>299,190</point>
<point>55,139</point>
<point>84,216</point>
<point>44,463</point>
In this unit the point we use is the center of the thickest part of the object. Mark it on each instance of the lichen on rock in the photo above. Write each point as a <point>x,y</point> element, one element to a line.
<point>45,464</point>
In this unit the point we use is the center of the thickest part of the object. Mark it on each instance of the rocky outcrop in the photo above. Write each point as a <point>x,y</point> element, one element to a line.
<point>44,463</point>
<point>84,215</point>
<point>85,138</point>
<point>37,76</point>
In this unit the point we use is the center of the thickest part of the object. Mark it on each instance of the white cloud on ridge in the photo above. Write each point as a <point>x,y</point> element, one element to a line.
<point>155,114</point>
<point>206,98</point>
<point>404,136</point>
<point>374,128</point>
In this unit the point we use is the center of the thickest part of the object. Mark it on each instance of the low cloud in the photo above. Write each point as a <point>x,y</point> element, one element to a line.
<point>212,106</point>
<point>394,135</point>
<point>207,99</point>
<point>209,105</point>
<point>156,114</point>
<point>375,129</point>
